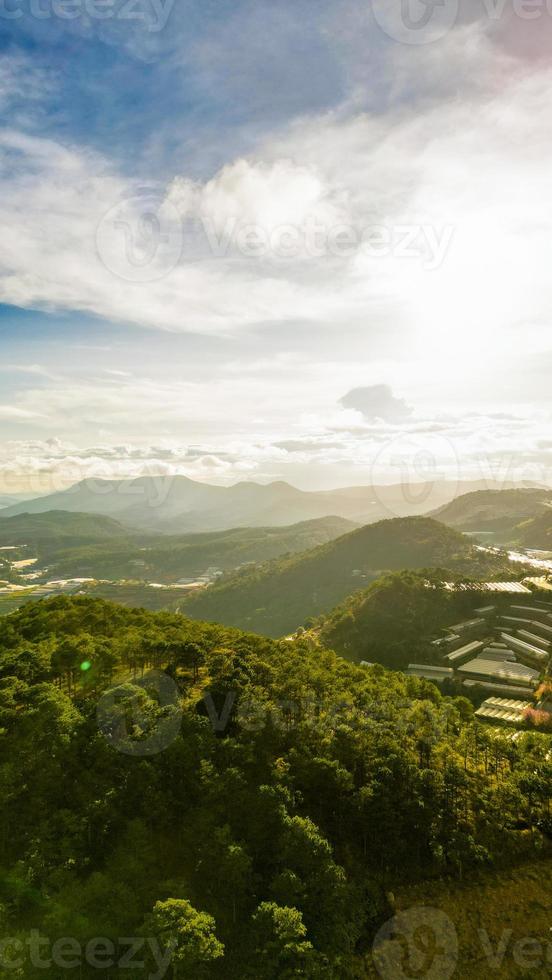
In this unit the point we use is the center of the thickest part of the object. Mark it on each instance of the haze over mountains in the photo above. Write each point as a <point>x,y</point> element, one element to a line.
<point>177,504</point>
<point>294,571</point>
<point>11,500</point>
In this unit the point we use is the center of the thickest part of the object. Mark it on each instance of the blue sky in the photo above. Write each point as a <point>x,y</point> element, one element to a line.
<point>206,85</point>
<point>165,301</point>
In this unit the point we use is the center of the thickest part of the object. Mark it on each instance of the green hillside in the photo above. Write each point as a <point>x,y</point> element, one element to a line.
<point>254,802</point>
<point>537,533</point>
<point>392,621</point>
<point>164,558</point>
<point>55,529</point>
<point>497,912</point>
<point>92,546</point>
<point>496,511</point>
<point>279,597</point>
<point>8,501</point>
<point>517,517</point>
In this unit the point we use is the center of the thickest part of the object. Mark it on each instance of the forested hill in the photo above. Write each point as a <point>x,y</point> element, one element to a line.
<point>58,528</point>
<point>259,817</point>
<point>537,533</point>
<point>499,511</point>
<point>393,620</point>
<point>89,545</point>
<point>279,597</point>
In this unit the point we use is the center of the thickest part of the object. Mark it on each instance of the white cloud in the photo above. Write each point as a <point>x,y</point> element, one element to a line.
<point>255,193</point>
<point>474,329</point>
<point>14,413</point>
<point>323,450</point>
<point>32,369</point>
<point>479,169</point>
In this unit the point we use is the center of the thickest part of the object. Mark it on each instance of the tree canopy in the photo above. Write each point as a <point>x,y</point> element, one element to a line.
<point>262,837</point>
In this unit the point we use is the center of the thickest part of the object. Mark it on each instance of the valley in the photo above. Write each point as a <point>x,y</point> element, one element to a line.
<point>60,552</point>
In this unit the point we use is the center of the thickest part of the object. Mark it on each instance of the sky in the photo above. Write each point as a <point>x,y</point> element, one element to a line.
<point>302,240</point>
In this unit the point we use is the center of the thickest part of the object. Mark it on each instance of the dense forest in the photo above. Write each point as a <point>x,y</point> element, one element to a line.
<point>394,619</point>
<point>245,803</point>
<point>281,595</point>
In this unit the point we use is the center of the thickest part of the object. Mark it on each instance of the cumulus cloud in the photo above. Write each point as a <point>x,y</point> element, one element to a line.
<point>377,402</point>
<point>256,193</point>
<point>78,236</point>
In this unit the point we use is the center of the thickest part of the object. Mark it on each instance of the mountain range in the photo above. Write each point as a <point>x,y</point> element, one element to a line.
<point>12,500</point>
<point>177,504</point>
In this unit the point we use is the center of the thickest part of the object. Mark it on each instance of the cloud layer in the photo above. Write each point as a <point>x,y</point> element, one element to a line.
<point>341,447</point>
<point>390,242</point>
